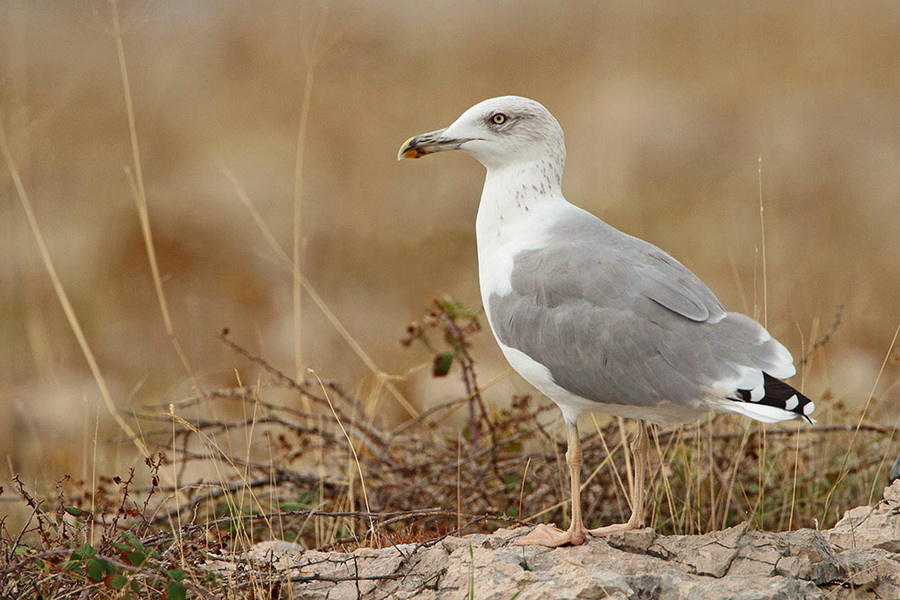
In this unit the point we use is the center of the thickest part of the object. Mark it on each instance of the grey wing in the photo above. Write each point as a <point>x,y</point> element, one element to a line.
<point>669,283</point>
<point>592,249</point>
<point>623,325</point>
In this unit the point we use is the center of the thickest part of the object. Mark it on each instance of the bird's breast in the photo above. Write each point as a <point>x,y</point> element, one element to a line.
<point>505,228</point>
<point>499,243</point>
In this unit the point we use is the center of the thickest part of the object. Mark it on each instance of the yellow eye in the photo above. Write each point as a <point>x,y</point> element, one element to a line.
<point>498,119</point>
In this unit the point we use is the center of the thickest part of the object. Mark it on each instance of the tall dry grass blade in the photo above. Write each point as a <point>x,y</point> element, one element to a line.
<point>381,376</point>
<point>850,448</point>
<point>886,460</point>
<point>210,443</point>
<point>664,472</point>
<point>629,467</point>
<point>459,480</point>
<point>733,477</point>
<point>63,297</point>
<point>762,446</point>
<point>561,473</point>
<point>795,476</point>
<point>140,196</point>
<point>762,237</point>
<point>248,442</point>
<point>596,470</point>
<point>620,486</point>
<point>362,479</point>
<point>93,478</point>
<point>825,338</point>
<point>177,530</point>
<point>521,487</point>
<point>311,60</point>
<point>742,294</point>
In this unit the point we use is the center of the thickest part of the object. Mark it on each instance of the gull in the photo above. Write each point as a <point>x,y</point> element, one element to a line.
<point>596,319</point>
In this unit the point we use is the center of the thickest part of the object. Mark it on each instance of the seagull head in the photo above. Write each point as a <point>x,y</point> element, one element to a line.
<point>499,132</point>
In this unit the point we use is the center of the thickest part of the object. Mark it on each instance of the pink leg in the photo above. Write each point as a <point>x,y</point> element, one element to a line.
<point>544,535</point>
<point>639,450</point>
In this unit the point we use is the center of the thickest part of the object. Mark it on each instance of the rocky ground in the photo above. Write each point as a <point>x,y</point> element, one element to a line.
<point>858,558</point>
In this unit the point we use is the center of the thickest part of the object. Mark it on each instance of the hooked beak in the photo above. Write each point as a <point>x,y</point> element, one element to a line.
<point>429,143</point>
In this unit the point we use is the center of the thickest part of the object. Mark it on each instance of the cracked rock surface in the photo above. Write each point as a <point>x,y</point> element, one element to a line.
<point>858,558</point>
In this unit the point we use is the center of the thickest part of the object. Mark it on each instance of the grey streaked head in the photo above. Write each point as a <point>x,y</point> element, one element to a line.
<point>496,132</point>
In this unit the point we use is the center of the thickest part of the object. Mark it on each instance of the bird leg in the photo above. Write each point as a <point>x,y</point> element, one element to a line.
<point>552,537</point>
<point>639,449</point>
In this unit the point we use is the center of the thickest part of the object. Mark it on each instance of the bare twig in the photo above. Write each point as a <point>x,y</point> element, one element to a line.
<point>825,338</point>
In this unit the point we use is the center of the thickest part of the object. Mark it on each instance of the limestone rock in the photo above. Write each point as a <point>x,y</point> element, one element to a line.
<point>858,558</point>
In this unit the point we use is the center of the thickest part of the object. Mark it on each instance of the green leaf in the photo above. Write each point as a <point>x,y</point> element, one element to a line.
<point>175,591</point>
<point>513,447</point>
<point>84,551</point>
<point>123,546</point>
<point>176,574</point>
<point>116,582</point>
<point>134,558</point>
<point>454,308</point>
<point>442,364</point>
<point>71,565</point>
<point>75,511</point>
<point>133,541</point>
<point>133,551</point>
<point>99,568</point>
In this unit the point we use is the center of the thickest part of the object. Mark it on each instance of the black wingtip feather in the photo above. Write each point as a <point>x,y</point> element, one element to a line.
<point>780,395</point>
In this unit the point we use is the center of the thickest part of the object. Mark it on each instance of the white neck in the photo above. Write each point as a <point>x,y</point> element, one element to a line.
<point>512,193</point>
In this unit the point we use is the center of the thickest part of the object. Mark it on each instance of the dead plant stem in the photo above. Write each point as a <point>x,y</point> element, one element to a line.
<point>762,236</point>
<point>311,63</point>
<point>140,196</point>
<point>63,297</point>
<point>317,299</point>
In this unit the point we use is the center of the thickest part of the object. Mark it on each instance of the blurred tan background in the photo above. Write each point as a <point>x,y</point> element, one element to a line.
<point>668,107</point>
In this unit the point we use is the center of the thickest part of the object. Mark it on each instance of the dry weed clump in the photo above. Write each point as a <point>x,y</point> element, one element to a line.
<point>306,462</point>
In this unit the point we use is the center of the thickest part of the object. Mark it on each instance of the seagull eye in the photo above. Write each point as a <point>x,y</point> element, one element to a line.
<point>498,118</point>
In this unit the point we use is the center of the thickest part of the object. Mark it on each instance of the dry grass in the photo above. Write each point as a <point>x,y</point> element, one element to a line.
<point>309,104</point>
<point>332,477</point>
